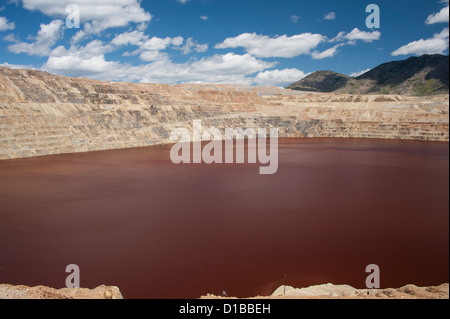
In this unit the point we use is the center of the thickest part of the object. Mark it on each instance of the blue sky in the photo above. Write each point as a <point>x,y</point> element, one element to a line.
<point>248,42</point>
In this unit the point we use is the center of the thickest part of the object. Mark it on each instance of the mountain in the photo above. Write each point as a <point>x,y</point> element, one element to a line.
<point>423,75</point>
<point>321,81</point>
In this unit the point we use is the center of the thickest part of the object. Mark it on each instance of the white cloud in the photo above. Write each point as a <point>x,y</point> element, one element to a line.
<point>204,18</point>
<point>5,25</point>
<point>330,16</point>
<point>18,66</point>
<point>90,61</point>
<point>444,34</point>
<point>436,45</point>
<point>127,38</point>
<point>76,66</point>
<point>262,46</point>
<point>93,48</point>
<point>279,77</point>
<point>138,38</point>
<point>183,1</point>
<point>149,56</point>
<point>193,45</point>
<point>356,35</point>
<point>430,46</point>
<point>230,63</point>
<point>97,15</point>
<point>11,38</point>
<point>295,18</point>
<point>86,61</point>
<point>149,48</point>
<point>356,74</point>
<point>46,38</point>
<point>327,53</point>
<point>439,17</point>
<point>80,35</point>
<point>159,44</point>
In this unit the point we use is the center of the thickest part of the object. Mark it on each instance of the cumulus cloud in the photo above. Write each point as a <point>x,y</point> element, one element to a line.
<point>436,45</point>
<point>279,77</point>
<point>356,35</point>
<point>444,34</point>
<point>46,38</point>
<point>439,17</point>
<point>95,67</point>
<point>148,56</point>
<point>159,44</point>
<point>230,63</point>
<point>330,16</point>
<point>85,61</point>
<point>262,46</point>
<point>130,38</point>
<point>18,66</point>
<point>149,48</point>
<point>93,48</point>
<point>11,38</point>
<point>5,25</point>
<point>356,74</point>
<point>327,53</point>
<point>90,61</point>
<point>97,15</point>
<point>193,45</point>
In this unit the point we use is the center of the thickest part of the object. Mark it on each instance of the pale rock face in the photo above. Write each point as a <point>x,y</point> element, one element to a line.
<point>330,291</point>
<point>348,292</point>
<point>41,292</point>
<point>45,114</point>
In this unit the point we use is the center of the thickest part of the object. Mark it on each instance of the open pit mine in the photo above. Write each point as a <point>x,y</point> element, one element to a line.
<point>45,114</point>
<point>87,180</point>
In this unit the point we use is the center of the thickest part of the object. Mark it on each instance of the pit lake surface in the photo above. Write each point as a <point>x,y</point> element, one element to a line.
<point>133,219</point>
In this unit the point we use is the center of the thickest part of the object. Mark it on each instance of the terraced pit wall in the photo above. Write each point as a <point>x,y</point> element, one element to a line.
<point>44,114</point>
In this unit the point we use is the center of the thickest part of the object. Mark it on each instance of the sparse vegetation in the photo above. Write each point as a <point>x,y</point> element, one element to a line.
<point>420,76</point>
<point>429,87</point>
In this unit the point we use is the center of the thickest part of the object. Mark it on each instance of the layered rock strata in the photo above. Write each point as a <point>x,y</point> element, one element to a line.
<point>45,114</point>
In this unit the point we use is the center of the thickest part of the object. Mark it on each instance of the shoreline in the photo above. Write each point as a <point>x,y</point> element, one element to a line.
<point>327,291</point>
<point>330,291</point>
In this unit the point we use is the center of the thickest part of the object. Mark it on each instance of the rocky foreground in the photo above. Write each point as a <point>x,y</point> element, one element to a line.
<point>330,291</point>
<point>327,291</point>
<point>41,292</point>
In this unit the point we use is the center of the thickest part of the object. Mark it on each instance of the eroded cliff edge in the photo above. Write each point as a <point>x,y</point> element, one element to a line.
<point>44,114</point>
<point>42,292</point>
<point>327,291</point>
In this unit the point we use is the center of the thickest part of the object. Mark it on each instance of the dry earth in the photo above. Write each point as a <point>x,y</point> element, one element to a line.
<point>327,291</point>
<point>330,291</point>
<point>41,292</point>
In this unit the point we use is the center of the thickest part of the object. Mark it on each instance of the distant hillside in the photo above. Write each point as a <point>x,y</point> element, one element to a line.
<point>321,81</point>
<point>423,75</point>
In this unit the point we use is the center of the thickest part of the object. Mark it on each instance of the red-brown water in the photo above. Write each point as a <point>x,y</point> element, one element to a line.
<point>133,219</point>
